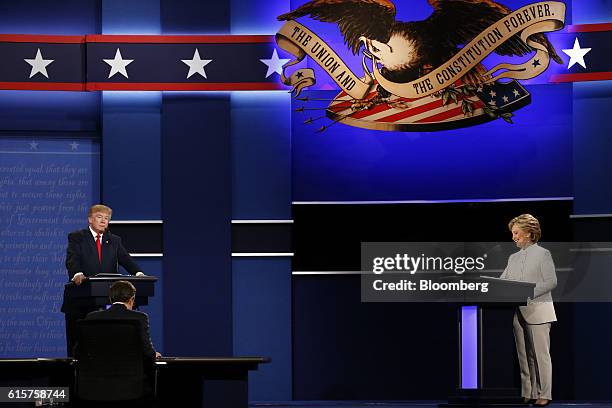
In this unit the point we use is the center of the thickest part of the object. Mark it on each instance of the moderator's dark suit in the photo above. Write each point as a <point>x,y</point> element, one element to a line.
<point>120,312</point>
<point>82,256</point>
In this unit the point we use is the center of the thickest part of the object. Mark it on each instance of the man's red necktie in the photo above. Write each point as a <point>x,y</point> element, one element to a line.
<point>99,246</point>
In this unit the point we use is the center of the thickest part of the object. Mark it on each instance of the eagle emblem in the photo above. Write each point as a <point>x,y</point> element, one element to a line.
<point>428,74</point>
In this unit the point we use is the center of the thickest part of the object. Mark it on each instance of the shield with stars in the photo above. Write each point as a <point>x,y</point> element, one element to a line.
<point>456,107</point>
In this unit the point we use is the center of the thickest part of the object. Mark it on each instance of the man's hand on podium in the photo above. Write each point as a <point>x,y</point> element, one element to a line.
<point>140,274</point>
<point>78,278</point>
<point>157,354</point>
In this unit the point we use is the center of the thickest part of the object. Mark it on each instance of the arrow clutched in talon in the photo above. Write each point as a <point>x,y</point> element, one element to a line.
<point>324,127</point>
<point>310,120</point>
<point>337,120</point>
<point>302,109</point>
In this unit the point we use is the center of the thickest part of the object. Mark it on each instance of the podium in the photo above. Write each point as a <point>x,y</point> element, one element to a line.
<point>471,387</point>
<point>93,292</point>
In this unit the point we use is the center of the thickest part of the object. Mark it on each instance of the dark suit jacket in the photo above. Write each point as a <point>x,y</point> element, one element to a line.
<point>82,256</point>
<point>120,312</point>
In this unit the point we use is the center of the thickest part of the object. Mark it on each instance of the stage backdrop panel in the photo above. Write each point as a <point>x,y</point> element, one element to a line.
<point>46,186</point>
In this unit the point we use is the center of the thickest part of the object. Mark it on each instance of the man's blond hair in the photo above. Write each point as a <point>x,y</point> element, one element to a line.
<point>99,208</point>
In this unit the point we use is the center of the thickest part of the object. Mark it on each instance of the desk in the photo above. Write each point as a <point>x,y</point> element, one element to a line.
<point>211,382</point>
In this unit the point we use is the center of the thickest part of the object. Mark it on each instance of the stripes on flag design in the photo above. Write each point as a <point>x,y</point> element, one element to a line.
<point>429,113</point>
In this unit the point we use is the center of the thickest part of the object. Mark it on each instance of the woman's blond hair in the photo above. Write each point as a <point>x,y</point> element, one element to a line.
<point>528,223</point>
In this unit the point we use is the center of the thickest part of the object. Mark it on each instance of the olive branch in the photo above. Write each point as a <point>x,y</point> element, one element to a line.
<point>452,93</point>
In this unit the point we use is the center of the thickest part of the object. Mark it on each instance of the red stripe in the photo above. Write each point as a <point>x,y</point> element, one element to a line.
<point>411,112</point>
<point>448,114</point>
<point>442,116</point>
<point>341,106</point>
<point>43,86</point>
<point>589,28</point>
<point>169,86</point>
<point>402,99</point>
<point>588,76</point>
<point>180,39</point>
<point>35,38</point>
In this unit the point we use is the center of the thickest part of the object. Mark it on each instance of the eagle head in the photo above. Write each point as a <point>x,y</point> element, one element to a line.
<point>399,53</point>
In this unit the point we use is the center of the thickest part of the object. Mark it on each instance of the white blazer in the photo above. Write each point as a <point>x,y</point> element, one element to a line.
<point>535,264</point>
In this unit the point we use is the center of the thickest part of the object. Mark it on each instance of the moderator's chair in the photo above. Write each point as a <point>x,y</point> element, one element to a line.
<point>111,366</point>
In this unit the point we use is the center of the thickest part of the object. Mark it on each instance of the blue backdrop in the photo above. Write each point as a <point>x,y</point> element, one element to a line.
<point>531,158</point>
<point>46,187</point>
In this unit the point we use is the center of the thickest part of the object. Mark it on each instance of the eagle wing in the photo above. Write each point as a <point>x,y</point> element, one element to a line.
<point>355,18</point>
<point>455,22</point>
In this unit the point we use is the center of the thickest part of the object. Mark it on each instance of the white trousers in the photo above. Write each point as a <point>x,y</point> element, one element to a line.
<point>533,349</point>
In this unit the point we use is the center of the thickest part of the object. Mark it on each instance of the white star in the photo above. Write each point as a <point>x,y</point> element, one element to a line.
<point>196,64</point>
<point>505,98</point>
<point>577,54</point>
<point>33,145</point>
<point>492,103</point>
<point>493,94</point>
<point>118,64</point>
<point>274,64</point>
<point>39,65</point>
<point>74,146</point>
<point>516,93</point>
<point>479,90</point>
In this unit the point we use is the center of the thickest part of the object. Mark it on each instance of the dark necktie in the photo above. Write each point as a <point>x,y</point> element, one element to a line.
<point>99,246</point>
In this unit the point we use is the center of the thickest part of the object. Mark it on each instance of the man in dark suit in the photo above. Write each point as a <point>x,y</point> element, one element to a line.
<point>122,296</point>
<point>91,251</point>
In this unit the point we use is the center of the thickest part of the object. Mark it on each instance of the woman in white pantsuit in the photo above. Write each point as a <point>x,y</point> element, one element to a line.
<point>532,322</point>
